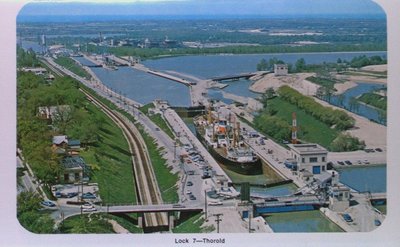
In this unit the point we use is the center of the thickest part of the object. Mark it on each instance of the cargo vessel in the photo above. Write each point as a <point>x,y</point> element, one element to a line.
<point>222,136</point>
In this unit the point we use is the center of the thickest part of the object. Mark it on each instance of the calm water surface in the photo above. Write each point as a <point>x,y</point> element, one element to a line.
<point>372,179</point>
<point>303,221</point>
<point>143,87</point>
<point>359,109</point>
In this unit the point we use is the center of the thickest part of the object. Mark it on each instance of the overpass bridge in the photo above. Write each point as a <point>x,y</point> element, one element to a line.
<point>171,209</point>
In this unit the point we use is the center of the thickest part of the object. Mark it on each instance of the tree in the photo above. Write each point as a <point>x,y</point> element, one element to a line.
<point>28,205</point>
<point>300,65</point>
<point>262,65</point>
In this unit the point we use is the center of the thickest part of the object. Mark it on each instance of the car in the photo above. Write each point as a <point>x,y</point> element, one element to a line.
<point>378,150</point>
<point>48,204</point>
<point>340,163</point>
<point>188,192</point>
<point>215,203</point>
<point>192,197</point>
<point>87,205</point>
<point>189,183</point>
<point>157,129</point>
<point>88,195</point>
<point>348,162</point>
<point>72,194</point>
<point>377,222</point>
<point>347,218</point>
<point>92,209</point>
<point>190,172</point>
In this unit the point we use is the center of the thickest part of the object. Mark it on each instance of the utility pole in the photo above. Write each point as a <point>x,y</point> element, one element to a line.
<point>205,205</point>
<point>218,220</point>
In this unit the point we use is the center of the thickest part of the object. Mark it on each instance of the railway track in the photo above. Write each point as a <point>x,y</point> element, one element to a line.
<point>146,183</point>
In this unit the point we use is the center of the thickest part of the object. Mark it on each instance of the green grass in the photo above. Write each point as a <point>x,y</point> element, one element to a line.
<point>310,129</point>
<point>95,223</point>
<point>158,120</point>
<point>145,108</point>
<point>374,100</point>
<point>193,225</point>
<point>111,162</point>
<point>166,180</point>
<point>324,82</point>
<point>126,223</point>
<point>71,65</point>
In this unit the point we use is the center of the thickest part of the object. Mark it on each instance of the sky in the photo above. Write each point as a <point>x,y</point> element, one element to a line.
<point>203,8</point>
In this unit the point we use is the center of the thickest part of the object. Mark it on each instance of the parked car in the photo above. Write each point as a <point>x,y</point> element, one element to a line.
<point>347,218</point>
<point>48,204</point>
<point>215,203</point>
<point>188,192</point>
<point>348,162</point>
<point>189,183</point>
<point>340,163</point>
<point>72,194</point>
<point>192,197</point>
<point>378,149</point>
<point>88,195</point>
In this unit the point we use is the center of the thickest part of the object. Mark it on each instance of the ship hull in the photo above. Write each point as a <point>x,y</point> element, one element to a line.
<point>245,168</point>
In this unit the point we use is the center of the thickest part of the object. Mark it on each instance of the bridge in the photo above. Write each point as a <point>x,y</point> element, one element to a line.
<point>236,77</point>
<point>288,204</point>
<point>152,208</point>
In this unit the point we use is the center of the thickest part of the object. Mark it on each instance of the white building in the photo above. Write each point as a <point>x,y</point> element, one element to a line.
<point>339,198</point>
<point>280,69</point>
<point>311,158</point>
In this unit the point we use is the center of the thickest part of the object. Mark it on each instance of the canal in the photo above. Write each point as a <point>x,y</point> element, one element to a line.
<point>345,101</point>
<point>303,221</point>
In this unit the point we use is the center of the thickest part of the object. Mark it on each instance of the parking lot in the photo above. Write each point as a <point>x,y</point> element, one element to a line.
<point>76,193</point>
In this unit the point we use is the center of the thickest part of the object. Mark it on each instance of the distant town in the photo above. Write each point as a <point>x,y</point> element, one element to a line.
<point>202,125</point>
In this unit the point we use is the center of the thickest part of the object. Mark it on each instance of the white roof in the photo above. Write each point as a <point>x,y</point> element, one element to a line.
<point>60,139</point>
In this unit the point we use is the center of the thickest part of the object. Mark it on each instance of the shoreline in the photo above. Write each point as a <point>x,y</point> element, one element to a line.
<point>261,53</point>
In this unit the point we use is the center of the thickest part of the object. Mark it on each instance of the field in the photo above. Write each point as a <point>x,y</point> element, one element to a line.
<point>309,128</point>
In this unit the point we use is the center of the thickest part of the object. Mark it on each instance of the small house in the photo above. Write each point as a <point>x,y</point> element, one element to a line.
<point>74,169</point>
<point>280,69</point>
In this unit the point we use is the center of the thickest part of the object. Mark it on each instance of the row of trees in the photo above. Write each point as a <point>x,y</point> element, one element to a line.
<point>146,53</point>
<point>273,126</point>
<point>345,142</point>
<point>339,119</point>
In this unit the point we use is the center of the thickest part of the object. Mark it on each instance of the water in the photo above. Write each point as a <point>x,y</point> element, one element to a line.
<point>26,45</point>
<point>208,66</point>
<point>84,61</point>
<point>363,179</point>
<point>303,221</point>
<point>143,87</point>
<point>281,190</point>
<point>360,109</point>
